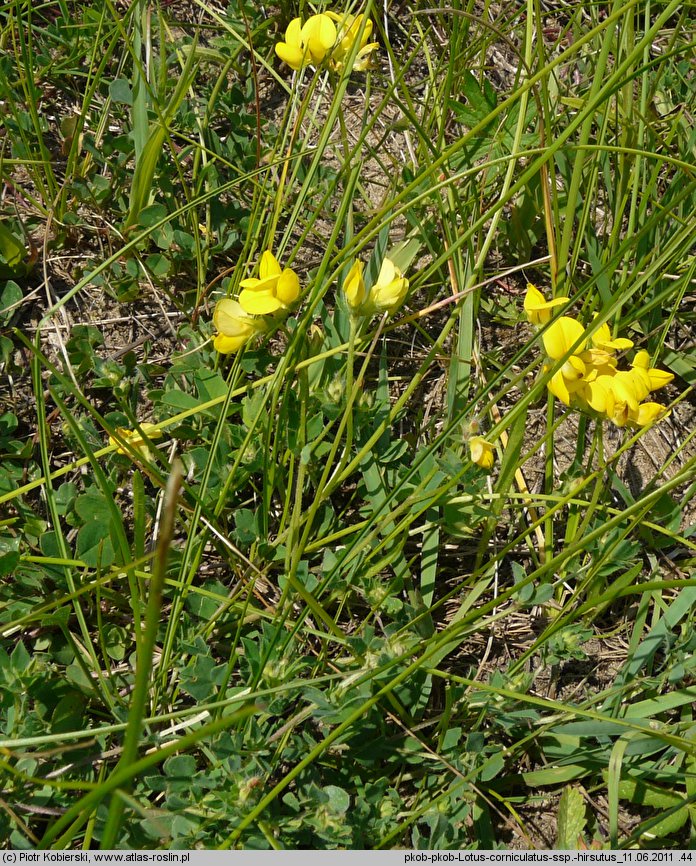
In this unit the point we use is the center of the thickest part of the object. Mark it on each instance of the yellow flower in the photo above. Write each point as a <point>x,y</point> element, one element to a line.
<point>308,43</point>
<point>569,379</point>
<point>354,285</point>
<point>654,378</point>
<point>390,290</point>
<point>273,290</point>
<point>646,413</point>
<point>348,27</point>
<point>595,391</point>
<point>537,308</point>
<point>135,438</point>
<point>615,396</point>
<point>481,452</point>
<point>561,336</point>
<point>602,339</point>
<point>599,361</point>
<point>234,325</point>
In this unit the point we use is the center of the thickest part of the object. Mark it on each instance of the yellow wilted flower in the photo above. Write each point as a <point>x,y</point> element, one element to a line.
<point>537,308</point>
<point>354,285</point>
<point>348,27</point>
<point>307,43</point>
<point>274,289</point>
<point>390,290</point>
<point>482,452</point>
<point>234,325</point>
<point>135,438</point>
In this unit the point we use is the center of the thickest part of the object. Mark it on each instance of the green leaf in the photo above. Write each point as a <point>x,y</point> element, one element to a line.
<point>94,545</point>
<point>339,800</point>
<point>10,297</point>
<point>572,818</point>
<point>14,257</point>
<point>180,765</point>
<point>117,641</point>
<point>120,91</point>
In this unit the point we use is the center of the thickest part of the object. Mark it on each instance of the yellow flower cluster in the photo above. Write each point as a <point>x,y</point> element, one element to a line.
<point>330,37</point>
<point>589,377</point>
<point>387,294</point>
<point>273,292</point>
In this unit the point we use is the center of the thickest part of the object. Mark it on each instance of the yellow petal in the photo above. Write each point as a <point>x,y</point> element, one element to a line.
<point>354,285</point>
<point>602,339</point>
<point>561,336</point>
<point>626,388</point>
<point>537,308</point>
<point>288,288</point>
<point>656,378</point>
<point>225,345</point>
<point>596,392</point>
<point>659,378</point>
<point>319,35</point>
<point>387,272</point>
<point>292,51</point>
<point>641,360</point>
<point>269,266</point>
<point>639,382</point>
<point>364,59</point>
<point>599,361</point>
<point>290,54</point>
<point>558,386</point>
<point>573,369</point>
<point>391,288</point>
<point>230,319</point>
<point>293,33</point>
<point>259,303</point>
<point>647,413</point>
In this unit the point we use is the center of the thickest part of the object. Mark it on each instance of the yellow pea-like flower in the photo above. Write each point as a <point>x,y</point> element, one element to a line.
<point>537,308</point>
<point>273,290</point>
<point>655,378</point>
<point>235,327</point>
<point>390,290</point>
<point>348,27</point>
<point>482,452</point>
<point>647,413</point>
<point>135,438</point>
<point>307,43</point>
<point>602,339</point>
<point>354,286</point>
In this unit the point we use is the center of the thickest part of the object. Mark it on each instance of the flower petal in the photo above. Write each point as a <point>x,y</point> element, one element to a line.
<point>259,303</point>
<point>354,285</point>
<point>319,35</point>
<point>225,345</point>
<point>561,336</point>
<point>230,319</point>
<point>267,284</point>
<point>290,54</point>
<point>537,308</point>
<point>288,287</point>
<point>647,413</point>
<point>269,266</point>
